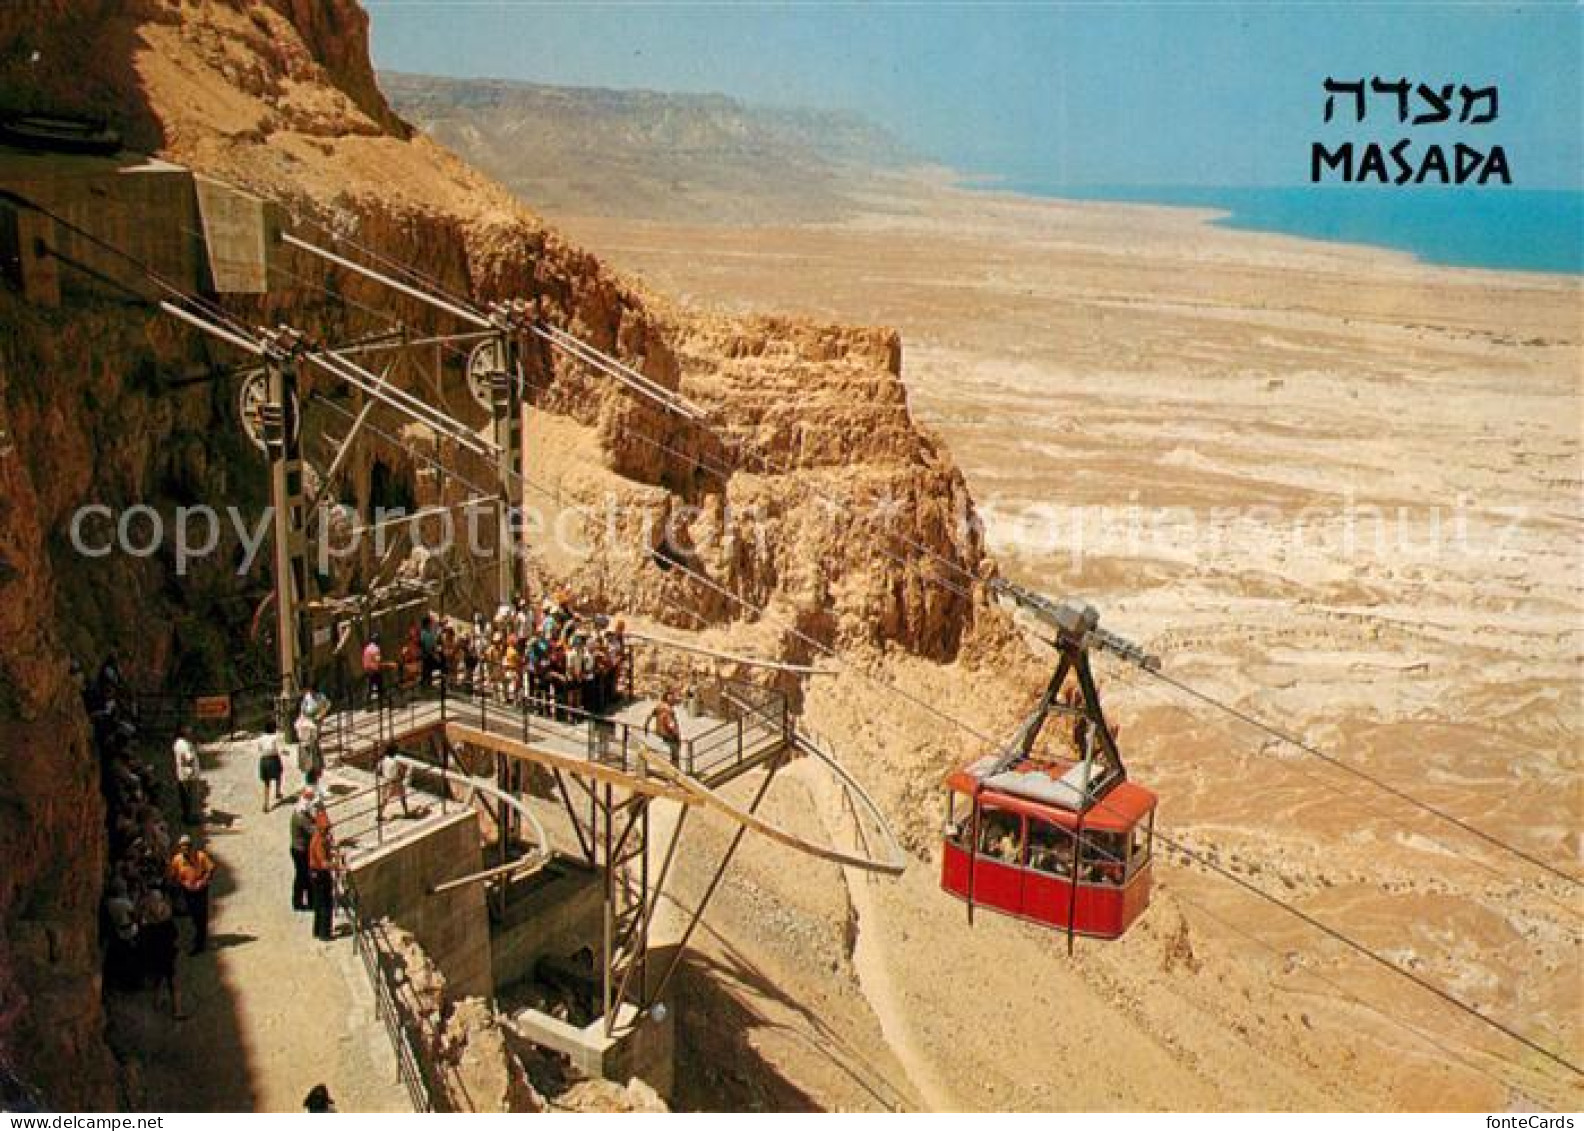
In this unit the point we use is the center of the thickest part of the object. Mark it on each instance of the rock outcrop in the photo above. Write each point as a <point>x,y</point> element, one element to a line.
<point>461,1043</point>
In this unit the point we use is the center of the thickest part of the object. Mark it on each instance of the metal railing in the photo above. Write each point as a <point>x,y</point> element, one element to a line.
<point>750,718</point>
<point>417,1066</point>
<point>207,714</point>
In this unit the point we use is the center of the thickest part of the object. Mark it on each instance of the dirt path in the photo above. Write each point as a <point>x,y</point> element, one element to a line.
<point>271,1011</point>
<point>872,961</point>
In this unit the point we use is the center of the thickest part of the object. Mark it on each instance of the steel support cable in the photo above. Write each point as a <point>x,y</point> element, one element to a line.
<point>353,373</point>
<point>1367,777</point>
<point>234,332</point>
<point>1347,994</point>
<point>615,369</point>
<point>1124,672</point>
<point>612,364</point>
<point>403,445</point>
<point>1375,956</point>
<point>552,334</point>
<point>724,474</point>
<point>213,310</point>
<point>556,337</point>
<point>456,310</point>
<point>400,400</point>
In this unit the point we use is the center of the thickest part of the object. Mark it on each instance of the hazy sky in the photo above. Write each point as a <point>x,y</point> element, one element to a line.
<point>1077,94</point>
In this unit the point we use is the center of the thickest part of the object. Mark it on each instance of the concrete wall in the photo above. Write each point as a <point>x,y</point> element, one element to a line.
<point>453,928</point>
<point>553,913</point>
<point>195,235</point>
<point>648,1051</point>
<point>145,207</point>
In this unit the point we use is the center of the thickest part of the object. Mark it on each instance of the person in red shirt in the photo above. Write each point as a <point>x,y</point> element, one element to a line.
<point>373,670</point>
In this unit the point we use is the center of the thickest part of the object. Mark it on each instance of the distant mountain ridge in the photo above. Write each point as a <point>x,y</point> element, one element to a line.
<point>593,151</point>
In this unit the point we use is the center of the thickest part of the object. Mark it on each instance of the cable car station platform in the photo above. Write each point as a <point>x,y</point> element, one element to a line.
<point>613,747</point>
<point>529,863</point>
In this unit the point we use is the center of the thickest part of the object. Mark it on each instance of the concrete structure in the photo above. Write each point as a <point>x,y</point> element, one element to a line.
<point>395,880</point>
<point>196,235</point>
<point>645,1046</point>
<point>551,914</point>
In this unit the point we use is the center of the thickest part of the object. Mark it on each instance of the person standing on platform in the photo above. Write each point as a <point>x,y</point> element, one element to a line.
<point>374,671</point>
<point>271,763</point>
<point>663,719</point>
<point>390,781</point>
<point>157,946</point>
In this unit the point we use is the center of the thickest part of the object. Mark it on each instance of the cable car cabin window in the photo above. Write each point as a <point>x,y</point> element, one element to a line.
<point>959,814</point>
<point>1050,849</point>
<point>1102,859</point>
<point>1139,854</point>
<point>1001,836</point>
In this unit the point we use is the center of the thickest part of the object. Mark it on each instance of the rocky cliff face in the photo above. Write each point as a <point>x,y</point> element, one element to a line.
<point>280,98</point>
<point>81,422</point>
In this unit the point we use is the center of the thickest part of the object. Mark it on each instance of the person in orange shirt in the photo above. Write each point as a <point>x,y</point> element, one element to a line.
<point>321,879</point>
<point>192,871</point>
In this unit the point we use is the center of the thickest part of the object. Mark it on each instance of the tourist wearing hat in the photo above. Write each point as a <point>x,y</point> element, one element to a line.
<point>192,870</point>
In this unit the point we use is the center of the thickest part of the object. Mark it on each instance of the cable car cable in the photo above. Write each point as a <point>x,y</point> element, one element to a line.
<point>1124,673</point>
<point>1366,776</point>
<point>211,309</point>
<point>1342,990</point>
<point>1374,956</point>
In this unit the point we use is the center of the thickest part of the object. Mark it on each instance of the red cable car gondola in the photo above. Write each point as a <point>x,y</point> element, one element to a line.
<point>1060,842</point>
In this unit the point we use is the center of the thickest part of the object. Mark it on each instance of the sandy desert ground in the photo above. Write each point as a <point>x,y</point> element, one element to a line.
<point>1329,485</point>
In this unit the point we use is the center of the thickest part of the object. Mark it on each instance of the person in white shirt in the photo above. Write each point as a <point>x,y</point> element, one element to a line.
<point>272,762</point>
<point>315,704</point>
<point>189,777</point>
<point>309,759</point>
<point>391,783</point>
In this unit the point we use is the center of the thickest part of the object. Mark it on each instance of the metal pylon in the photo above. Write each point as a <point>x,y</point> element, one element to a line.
<point>620,828</point>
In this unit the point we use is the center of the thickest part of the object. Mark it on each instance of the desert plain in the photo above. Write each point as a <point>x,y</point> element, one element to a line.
<point>1331,486</point>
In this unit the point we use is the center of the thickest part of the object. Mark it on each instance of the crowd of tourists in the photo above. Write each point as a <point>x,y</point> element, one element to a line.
<point>153,875</point>
<point>545,655</point>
